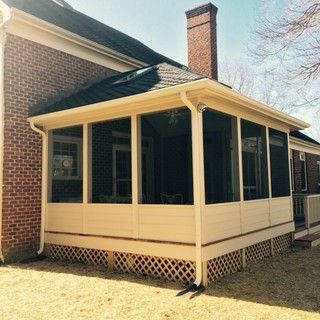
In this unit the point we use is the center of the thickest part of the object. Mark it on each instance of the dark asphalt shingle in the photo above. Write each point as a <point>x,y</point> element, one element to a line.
<point>89,28</point>
<point>148,79</point>
<point>302,136</point>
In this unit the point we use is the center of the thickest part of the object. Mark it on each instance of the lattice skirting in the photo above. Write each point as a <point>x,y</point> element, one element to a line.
<point>171,269</point>
<point>165,268</point>
<point>237,260</point>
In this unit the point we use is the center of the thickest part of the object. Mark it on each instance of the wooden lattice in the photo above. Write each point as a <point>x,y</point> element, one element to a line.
<point>224,265</point>
<point>172,269</point>
<point>258,251</point>
<point>282,243</point>
<point>84,255</point>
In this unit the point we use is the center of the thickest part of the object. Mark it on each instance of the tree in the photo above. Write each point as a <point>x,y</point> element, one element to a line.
<point>287,42</point>
<point>291,40</point>
<point>259,85</point>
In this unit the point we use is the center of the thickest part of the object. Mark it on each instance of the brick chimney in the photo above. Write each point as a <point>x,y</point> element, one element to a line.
<point>202,40</point>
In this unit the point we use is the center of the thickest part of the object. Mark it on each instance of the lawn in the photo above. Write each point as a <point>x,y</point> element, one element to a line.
<point>282,287</point>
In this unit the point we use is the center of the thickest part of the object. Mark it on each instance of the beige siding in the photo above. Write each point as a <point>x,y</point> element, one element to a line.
<point>64,218</point>
<point>167,223</point>
<point>164,223</point>
<point>255,215</point>
<point>221,221</point>
<point>170,250</point>
<point>108,220</point>
<point>223,247</point>
<point>280,210</point>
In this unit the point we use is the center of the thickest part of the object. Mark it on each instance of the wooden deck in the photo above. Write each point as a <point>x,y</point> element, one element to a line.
<point>309,240</point>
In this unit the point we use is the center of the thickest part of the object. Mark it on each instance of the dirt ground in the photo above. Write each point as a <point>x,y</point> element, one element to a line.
<point>282,287</point>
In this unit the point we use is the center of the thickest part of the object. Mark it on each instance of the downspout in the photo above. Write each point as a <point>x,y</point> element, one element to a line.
<point>2,44</point>
<point>197,181</point>
<point>43,182</point>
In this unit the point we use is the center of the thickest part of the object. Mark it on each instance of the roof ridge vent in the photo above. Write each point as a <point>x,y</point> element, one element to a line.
<point>63,4</point>
<point>134,74</point>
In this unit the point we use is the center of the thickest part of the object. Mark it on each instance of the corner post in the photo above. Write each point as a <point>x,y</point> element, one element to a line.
<point>198,182</point>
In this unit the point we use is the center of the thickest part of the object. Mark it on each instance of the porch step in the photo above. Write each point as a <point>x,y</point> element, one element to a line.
<point>309,240</point>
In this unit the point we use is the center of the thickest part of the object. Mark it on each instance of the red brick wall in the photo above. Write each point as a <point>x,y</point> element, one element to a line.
<point>33,73</point>
<point>202,40</point>
<point>312,177</point>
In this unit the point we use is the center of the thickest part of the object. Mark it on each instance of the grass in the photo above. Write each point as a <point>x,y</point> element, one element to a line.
<point>282,287</point>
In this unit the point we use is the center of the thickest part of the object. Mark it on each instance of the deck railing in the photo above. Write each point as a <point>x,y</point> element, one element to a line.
<point>307,208</point>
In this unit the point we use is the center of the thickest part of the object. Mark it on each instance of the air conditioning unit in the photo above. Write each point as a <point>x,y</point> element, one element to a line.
<point>302,156</point>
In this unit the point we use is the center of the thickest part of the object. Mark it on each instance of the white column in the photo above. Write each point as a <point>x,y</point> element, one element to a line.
<point>198,183</point>
<point>240,171</point>
<point>135,169</point>
<point>269,172</point>
<point>85,169</point>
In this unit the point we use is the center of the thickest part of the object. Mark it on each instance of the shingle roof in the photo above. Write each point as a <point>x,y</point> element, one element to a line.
<point>121,85</point>
<point>304,137</point>
<point>89,28</point>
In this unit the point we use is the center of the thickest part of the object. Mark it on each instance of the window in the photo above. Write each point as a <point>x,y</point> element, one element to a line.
<point>292,170</point>
<point>66,157</point>
<point>303,172</point>
<point>66,165</point>
<point>278,144</point>
<point>220,157</point>
<point>111,161</point>
<point>166,168</point>
<point>318,171</point>
<point>254,161</point>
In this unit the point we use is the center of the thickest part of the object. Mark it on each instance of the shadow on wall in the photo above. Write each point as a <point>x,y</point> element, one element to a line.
<point>290,280</point>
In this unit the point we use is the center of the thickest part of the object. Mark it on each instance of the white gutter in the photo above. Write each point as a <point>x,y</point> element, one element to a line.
<point>197,172</point>
<point>213,88</point>
<point>43,182</point>
<point>2,43</point>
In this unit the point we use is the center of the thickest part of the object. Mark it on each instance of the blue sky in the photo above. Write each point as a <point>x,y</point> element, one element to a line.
<point>162,24</point>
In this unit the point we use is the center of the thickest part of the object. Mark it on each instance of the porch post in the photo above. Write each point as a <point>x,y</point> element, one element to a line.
<point>198,183</point>
<point>290,177</point>
<point>239,144</point>
<point>269,172</point>
<point>135,171</point>
<point>85,161</point>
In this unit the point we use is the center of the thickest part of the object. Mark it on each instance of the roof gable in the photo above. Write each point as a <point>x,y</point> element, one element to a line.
<point>63,16</point>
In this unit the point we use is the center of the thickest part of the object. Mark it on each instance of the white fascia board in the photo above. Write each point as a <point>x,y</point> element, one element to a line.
<point>304,146</point>
<point>34,29</point>
<point>215,88</point>
<point>5,11</point>
<point>257,106</point>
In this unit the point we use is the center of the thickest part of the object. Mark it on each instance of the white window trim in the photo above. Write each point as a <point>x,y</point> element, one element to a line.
<point>305,169</point>
<point>67,139</point>
<point>318,172</point>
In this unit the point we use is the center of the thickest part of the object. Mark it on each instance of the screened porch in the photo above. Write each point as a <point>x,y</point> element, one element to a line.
<point>135,176</point>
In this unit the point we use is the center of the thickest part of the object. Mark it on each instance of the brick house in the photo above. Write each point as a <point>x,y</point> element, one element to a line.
<point>115,154</point>
<point>305,177</point>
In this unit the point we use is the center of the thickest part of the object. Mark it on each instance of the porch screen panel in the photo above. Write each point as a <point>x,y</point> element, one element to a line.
<point>166,158</point>
<point>111,161</point>
<point>254,161</point>
<point>280,181</point>
<point>220,157</point>
<point>66,165</point>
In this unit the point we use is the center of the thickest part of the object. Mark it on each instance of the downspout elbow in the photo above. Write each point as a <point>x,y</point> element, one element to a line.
<point>43,183</point>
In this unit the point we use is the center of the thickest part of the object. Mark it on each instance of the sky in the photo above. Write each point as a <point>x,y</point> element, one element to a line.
<point>161,25</point>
